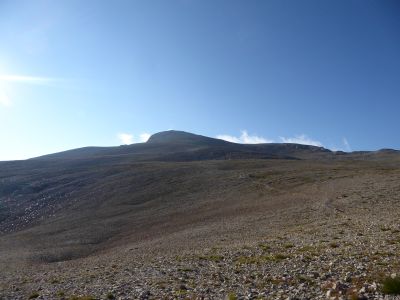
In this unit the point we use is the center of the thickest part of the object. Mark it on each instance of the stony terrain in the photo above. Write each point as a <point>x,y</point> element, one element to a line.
<point>322,228</point>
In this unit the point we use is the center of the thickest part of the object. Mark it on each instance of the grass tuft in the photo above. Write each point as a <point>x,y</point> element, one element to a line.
<point>281,256</point>
<point>34,295</point>
<point>391,286</point>
<point>264,247</point>
<point>110,296</point>
<point>334,245</point>
<point>232,296</point>
<point>214,258</point>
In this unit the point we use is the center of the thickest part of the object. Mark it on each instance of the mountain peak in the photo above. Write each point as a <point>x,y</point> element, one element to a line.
<point>181,137</point>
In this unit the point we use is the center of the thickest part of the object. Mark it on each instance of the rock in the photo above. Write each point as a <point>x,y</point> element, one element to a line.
<point>328,293</point>
<point>315,275</point>
<point>145,295</point>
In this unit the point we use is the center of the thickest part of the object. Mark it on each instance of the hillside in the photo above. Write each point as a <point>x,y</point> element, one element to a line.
<point>182,146</point>
<point>190,216</point>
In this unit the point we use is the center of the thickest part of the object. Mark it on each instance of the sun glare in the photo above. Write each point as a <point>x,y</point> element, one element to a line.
<point>4,98</point>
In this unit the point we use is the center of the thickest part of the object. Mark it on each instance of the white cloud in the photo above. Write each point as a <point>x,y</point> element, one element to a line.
<point>7,81</point>
<point>228,138</point>
<point>125,138</point>
<point>143,137</point>
<point>26,79</point>
<point>301,139</point>
<point>244,138</point>
<point>346,145</point>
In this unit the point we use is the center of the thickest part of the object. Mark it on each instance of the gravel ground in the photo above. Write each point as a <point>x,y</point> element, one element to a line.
<point>342,245</point>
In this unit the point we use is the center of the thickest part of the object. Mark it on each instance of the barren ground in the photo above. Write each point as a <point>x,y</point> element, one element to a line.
<point>240,229</point>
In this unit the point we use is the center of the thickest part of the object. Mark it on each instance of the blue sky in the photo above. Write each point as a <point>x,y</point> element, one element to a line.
<point>79,73</point>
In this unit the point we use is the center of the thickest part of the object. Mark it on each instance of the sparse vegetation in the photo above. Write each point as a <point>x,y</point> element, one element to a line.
<point>264,247</point>
<point>82,298</point>
<point>334,245</point>
<point>214,258</point>
<point>110,296</point>
<point>185,269</point>
<point>306,249</point>
<point>304,279</point>
<point>60,293</point>
<point>391,286</point>
<point>232,296</point>
<point>34,295</point>
<point>281,256</point>
<point>181,292</point>
<point>54,281</point>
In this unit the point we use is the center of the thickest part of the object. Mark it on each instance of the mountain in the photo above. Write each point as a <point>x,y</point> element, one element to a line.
<point>130,206</point>
<point>37,188</point>
<point>184,138</point>
<point>182,146</point>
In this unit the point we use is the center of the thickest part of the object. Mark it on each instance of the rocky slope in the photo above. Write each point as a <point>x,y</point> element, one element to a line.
<point>117,226</point>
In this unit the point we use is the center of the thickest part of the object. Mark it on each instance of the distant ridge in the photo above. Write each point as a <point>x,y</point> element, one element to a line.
<point>175,145</point>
